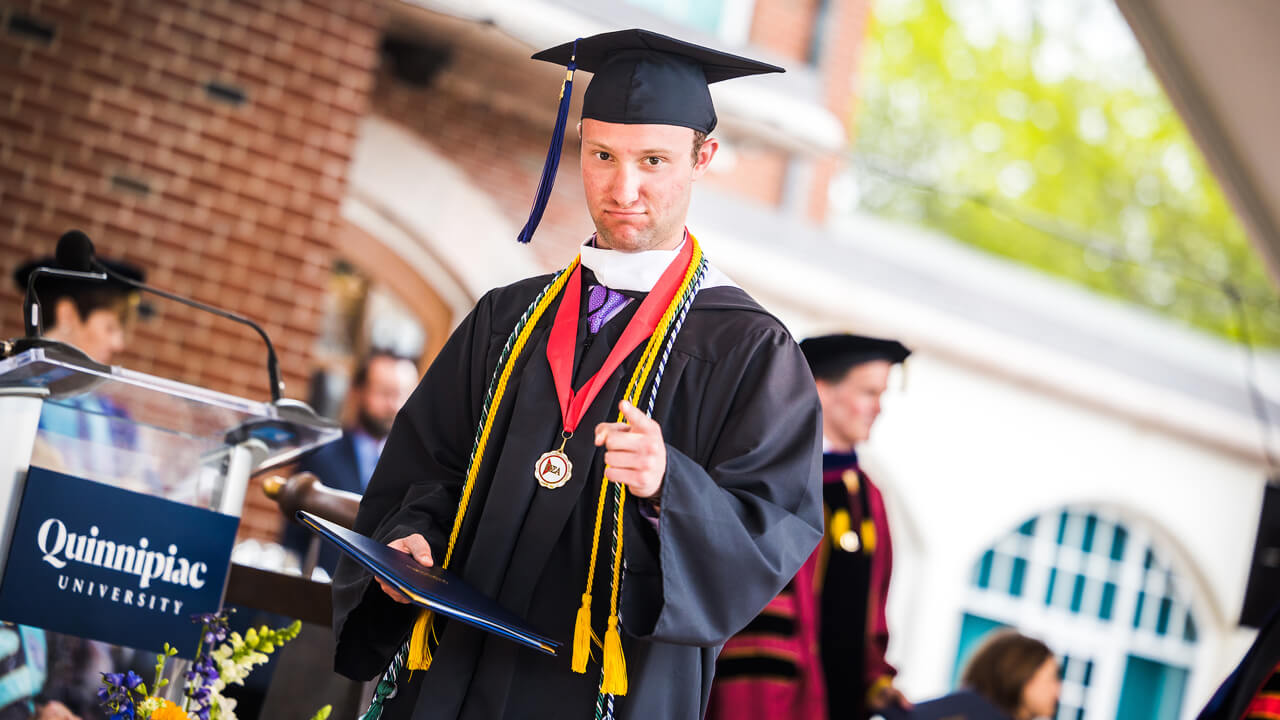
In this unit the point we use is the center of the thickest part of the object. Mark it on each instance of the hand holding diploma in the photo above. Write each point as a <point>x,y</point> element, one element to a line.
<point>405,570</point>
<point>414,545</point>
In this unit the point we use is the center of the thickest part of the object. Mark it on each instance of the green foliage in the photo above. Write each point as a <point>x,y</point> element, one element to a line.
<point>161,659</point>
<point>1013,136</point>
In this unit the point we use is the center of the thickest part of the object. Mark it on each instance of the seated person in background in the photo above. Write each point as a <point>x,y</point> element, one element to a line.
<point>88,435</point>
<point>92,315</point>
<point>78,433</point>
<point>1018,674</point>
<point>23,670</point>
<point>380,385</point>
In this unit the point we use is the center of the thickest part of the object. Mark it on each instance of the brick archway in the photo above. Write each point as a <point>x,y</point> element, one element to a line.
<point>432,219</point>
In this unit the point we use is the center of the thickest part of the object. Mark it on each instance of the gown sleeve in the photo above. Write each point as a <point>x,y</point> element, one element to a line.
<point>736,526</point>
<point>414,489</point>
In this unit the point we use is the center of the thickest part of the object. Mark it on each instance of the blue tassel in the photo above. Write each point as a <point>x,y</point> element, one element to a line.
<point>553,153</point>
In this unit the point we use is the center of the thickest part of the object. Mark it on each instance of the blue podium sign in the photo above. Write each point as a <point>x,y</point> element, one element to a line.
<point>100,562</point>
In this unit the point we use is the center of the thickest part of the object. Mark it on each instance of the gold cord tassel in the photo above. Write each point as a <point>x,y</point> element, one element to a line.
<point>419,642</point>
<point>869,535</point>
<point>614,681</point>
<point>583,635</point>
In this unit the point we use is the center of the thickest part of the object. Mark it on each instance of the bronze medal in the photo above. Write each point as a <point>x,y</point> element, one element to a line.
<point>553,469</point>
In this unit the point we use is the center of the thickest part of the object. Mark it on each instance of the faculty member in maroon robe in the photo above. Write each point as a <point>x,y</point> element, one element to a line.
<point>818,649</point>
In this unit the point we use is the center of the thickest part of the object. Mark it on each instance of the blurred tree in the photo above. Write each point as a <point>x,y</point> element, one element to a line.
<point>1033,129</point>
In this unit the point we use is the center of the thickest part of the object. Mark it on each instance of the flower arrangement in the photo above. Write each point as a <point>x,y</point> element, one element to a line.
<point>222,658</point>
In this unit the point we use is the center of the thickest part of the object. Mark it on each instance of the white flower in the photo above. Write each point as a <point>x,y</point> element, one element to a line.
<point>149,705</point>
<point>223,708</point>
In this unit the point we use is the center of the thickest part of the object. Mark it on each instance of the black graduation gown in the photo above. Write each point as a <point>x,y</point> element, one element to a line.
<point>741,511</point>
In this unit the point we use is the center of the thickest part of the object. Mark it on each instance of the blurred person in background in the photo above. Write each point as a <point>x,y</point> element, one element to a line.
<point>380,385</point>
<point>818,649</point>
<point>1017,674</point>
<point>93,316</point>
<point>46,675</point>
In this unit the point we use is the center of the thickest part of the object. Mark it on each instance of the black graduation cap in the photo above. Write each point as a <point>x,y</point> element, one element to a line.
<point>831,356</point>
<point>49,289</point>
<point>640,78</point>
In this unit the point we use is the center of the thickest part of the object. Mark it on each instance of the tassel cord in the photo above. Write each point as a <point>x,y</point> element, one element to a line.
<point>552,162</point>
<point>516,341</point>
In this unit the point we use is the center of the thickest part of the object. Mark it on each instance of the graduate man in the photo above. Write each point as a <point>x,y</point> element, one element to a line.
<point>818,649</point>
<point>625,453</point>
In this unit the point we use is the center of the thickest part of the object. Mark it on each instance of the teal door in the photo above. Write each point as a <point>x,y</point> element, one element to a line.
<point>972,631</point>
<point>1151,690</point>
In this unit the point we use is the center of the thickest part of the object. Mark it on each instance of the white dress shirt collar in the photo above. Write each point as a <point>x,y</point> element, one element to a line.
<point>638,271</point>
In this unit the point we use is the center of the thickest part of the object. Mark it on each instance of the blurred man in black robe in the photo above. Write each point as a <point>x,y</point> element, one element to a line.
<point>723,477</point>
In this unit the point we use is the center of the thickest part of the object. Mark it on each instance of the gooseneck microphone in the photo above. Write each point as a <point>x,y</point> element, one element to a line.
<point>32,310</point>
<point>75,252</point>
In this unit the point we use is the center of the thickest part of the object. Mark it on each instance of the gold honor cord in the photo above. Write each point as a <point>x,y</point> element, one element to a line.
<point>614,676</point>
<point>419,642</point>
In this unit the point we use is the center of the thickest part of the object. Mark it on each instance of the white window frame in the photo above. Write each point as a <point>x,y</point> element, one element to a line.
<point>734,26</point>
<point>1082,635</point>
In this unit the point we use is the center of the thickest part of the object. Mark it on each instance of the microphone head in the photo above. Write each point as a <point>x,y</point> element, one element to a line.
<point>75,251</point>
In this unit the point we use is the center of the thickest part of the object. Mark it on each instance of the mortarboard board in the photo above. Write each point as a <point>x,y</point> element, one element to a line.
<point>831,356</point>
<point>640,78</point>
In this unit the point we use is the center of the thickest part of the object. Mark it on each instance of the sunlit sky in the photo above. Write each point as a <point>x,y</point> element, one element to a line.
<point>1087,39</point>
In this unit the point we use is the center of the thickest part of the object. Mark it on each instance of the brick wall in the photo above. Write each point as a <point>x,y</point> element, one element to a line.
<point>791,28</point>
<point>229,195</point>
<point>786,27</point>
<point>749,170</point>
<point>845,28</point>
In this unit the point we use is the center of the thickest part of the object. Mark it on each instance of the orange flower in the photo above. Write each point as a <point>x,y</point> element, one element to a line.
<point>169,711</point>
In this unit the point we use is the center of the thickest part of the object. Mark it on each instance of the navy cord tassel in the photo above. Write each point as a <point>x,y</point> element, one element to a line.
<point>553,153</point>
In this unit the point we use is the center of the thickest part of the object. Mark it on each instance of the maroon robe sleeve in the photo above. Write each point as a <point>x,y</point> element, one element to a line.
<point>878,670</point>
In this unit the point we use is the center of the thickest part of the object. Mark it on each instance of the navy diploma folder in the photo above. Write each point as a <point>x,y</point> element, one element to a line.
<point>429,587</point>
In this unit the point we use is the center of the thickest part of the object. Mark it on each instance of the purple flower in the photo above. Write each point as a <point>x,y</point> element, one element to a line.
<point>204,672</point>
<point>116,694</point>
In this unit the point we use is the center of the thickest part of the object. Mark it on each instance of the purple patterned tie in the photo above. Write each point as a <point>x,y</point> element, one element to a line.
<point>602,305</point>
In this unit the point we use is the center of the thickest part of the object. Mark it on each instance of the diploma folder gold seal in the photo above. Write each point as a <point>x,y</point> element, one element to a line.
<point>429,587</point>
